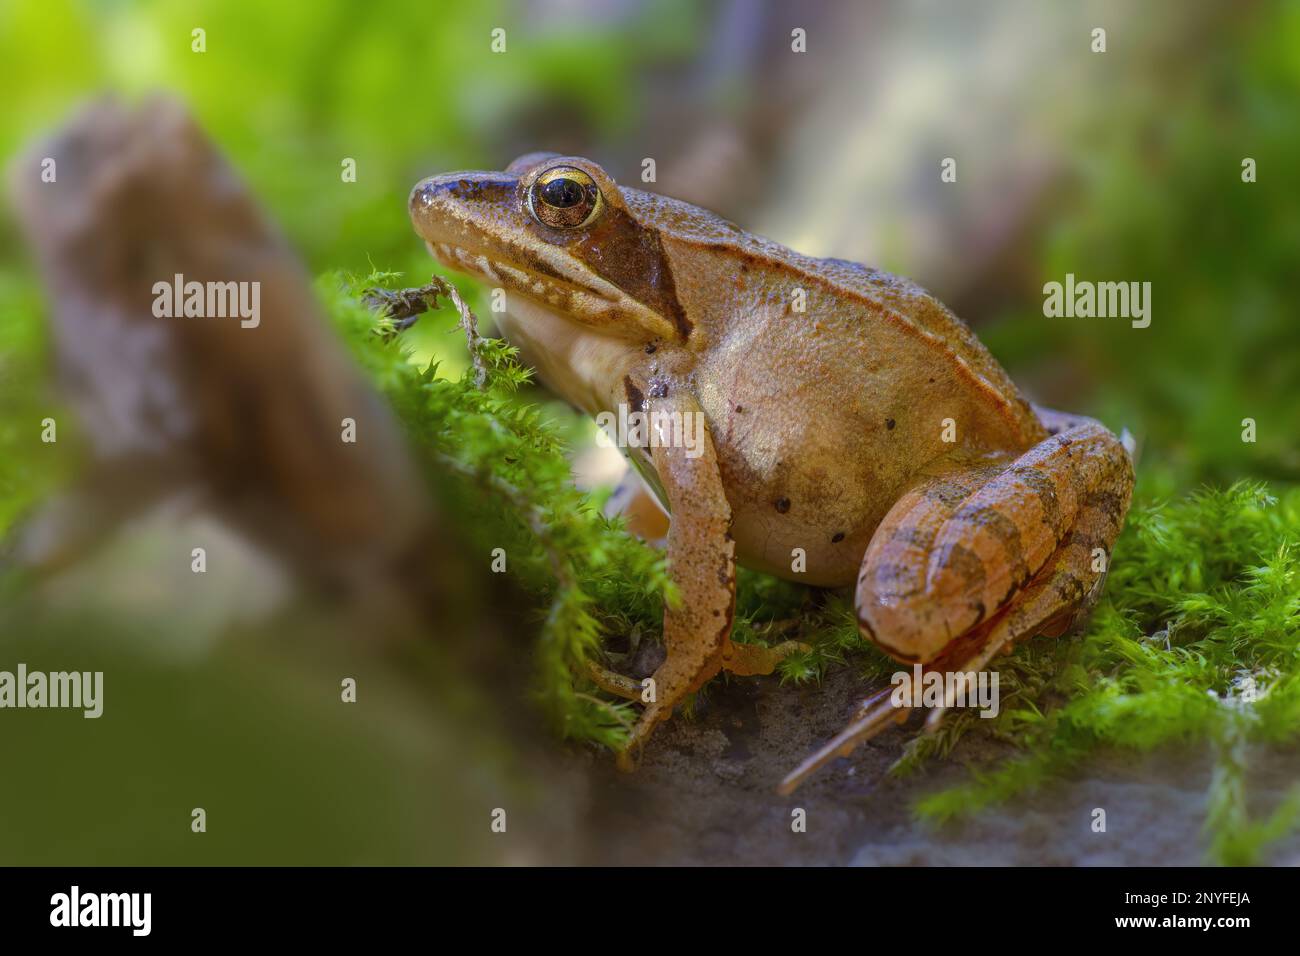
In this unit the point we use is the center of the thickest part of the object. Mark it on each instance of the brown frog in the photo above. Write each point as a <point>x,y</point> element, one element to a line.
<point>853,430</point>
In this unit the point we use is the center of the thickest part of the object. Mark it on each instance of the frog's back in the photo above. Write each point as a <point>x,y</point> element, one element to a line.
<point>877,295</point>
<point>902,300</point>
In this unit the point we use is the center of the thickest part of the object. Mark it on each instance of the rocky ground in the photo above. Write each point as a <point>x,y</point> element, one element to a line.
<point>705,795</point>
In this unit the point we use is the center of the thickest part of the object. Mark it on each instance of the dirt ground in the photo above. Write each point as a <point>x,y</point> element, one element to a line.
<point>705,795</point>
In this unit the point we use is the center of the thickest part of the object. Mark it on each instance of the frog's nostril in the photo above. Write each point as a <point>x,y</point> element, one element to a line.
<point>459,191</point>
<point>437,190</point>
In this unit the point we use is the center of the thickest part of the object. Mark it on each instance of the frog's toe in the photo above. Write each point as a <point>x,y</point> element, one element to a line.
<point>629,758</point>
<point>874,715</point>
<point>748,659</point>
<point>626,761</point>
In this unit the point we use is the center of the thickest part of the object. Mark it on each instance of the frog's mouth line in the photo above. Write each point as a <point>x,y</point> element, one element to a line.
<point>532,283</point>
<point>552,281</point>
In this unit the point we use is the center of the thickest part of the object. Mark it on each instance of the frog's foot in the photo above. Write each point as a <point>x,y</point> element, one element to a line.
<point>620,685</point>
<point>612,682</point>
<point>1029,543</point>
<point>874,715</point>
<point>741,659</point>
<point>749,659</point>
<point>1041,603</point>
<point>879,711</point>
<point>693,659</point>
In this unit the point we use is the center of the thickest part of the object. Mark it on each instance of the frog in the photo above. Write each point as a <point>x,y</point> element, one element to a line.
<point>856,433</point>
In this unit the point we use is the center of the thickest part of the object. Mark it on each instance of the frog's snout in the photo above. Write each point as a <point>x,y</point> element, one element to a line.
<point>450,200</point>
<point>428,193</point>
<point>432,198</point>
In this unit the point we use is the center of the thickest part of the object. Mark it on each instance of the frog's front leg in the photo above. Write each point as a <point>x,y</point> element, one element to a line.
<point>978,555</point>
<point>701,562</point>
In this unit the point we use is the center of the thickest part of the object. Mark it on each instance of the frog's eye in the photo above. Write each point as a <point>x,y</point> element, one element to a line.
<point>564,198</point>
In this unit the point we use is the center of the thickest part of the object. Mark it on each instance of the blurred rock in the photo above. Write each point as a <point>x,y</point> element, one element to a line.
<point>209,414</point>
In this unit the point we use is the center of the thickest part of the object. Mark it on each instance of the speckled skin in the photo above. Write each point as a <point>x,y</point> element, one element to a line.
<point>827,422</point>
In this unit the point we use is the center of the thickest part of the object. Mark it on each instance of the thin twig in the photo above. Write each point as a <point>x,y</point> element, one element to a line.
<point>405,306</point>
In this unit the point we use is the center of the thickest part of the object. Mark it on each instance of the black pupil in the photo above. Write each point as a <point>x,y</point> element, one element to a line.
<point>562,193</point>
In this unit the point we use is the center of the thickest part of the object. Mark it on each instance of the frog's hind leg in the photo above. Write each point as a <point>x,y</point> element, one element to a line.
<point>1056,599</point>
<point>975,557</point>
<point>1038,611</point>
<point>941,564</point>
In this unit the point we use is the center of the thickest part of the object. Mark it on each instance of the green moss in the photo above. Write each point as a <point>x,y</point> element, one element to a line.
<point>591,578</point>
<point>1197,638</point>
<point>503,471</point>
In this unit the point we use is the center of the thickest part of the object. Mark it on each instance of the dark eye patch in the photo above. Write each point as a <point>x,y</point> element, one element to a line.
<point>631,256</point>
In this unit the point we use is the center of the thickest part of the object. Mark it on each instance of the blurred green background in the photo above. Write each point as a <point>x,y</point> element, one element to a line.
<point>1117,166</point>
